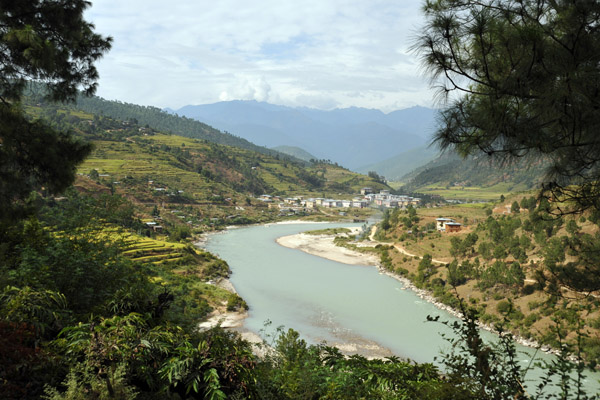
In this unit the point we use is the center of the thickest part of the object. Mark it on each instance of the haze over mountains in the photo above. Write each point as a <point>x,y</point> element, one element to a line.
<point>353,137</point>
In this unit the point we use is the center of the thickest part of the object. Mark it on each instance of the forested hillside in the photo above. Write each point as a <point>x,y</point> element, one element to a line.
<point>450,171</point>
<point>296,152</point>
<point>157,168</point>
<point>397,167</point>
<point>160,120</point>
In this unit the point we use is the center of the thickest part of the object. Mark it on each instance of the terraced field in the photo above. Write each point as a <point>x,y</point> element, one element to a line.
<point>475,193</point>
<point>186,271</point>
<point>155,251</point>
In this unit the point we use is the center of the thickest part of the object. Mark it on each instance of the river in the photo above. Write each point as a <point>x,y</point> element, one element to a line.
<point>353,307</point>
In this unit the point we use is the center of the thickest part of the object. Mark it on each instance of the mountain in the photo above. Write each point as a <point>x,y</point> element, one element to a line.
<point>394,168</point>
<point>450,170</point>
<point>166,121</point>
<point>352,137</point>
<point>154,166</point>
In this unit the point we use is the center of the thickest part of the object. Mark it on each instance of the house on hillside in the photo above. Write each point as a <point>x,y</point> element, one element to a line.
<point>452,227</point>
<point>154,226</point>
<point>390,203</point>
<point>328,203</point>
<point>440,223</point>
<point>310,203</point>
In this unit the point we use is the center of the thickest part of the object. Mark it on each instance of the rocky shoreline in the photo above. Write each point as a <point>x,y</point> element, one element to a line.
<point>427,296</point>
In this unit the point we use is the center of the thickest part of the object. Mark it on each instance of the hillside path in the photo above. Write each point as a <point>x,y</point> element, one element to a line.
<point>402,250</point>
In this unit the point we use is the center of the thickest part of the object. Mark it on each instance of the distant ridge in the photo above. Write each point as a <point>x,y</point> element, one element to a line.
<point>167,121</point>
<point>450,170</point>
<point>395,168</point>
<point>353,137</point>
<point>296,152</point>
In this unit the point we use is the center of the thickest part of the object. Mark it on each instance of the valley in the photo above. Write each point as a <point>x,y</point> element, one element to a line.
<point>152,193</point>
<point>235,200</point>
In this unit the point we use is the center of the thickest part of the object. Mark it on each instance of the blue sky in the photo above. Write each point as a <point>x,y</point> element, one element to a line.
<point>313,53</point>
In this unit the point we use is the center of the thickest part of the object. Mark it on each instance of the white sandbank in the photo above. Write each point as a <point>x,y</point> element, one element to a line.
<point>323,246</point>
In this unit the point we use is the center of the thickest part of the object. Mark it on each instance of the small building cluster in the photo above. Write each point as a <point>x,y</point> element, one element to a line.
<point>154,226</point>
<point>447,225</point>
<point>367,198</point>
<point>387,200</point>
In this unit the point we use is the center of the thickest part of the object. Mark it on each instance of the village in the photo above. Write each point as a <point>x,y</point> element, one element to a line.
<point>366,199</point>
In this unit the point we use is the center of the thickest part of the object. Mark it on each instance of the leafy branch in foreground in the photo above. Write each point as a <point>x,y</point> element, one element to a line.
<point>493,370</point>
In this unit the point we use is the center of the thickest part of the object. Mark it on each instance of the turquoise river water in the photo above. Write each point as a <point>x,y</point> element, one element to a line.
<point>350,306</point>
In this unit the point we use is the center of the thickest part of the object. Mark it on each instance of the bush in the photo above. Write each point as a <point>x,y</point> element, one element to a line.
<point>236,303</point>
<point>528,289</point>
<point>504,307</point>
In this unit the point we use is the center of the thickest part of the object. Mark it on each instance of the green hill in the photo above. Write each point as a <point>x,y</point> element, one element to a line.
<point>155,118</point>
<point>153,166</point>
<point>473,178</point>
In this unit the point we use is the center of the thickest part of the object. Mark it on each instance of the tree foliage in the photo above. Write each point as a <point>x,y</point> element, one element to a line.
<point>48,42</point>
<point>521,80</point>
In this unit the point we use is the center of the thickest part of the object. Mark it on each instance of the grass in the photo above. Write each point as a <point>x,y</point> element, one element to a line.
<point>181,267</point>
<point>476,193</point>
<point>140,161</point>
<point>328,231</point>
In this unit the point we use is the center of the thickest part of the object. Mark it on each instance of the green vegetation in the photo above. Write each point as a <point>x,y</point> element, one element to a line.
<point>156,119</point>
<point>190,170</point>
<point>328,231</point>
<point>472,179</point>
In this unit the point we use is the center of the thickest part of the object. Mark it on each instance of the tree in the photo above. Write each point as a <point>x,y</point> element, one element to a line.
<point>376,177</point>
<point>45,42</point>
<point>521,80</point>
<point>50,42</point>
<point>515,208</point>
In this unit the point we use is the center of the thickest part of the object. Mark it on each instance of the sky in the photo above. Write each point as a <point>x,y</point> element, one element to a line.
<point>320,54</point>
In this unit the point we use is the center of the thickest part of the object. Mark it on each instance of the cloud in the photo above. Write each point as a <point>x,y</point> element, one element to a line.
<point>247,89</point>
<point>311,53</point>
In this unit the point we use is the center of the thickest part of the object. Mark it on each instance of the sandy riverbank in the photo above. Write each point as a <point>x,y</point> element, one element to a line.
<point>324,246</point>
<point>233,320</point>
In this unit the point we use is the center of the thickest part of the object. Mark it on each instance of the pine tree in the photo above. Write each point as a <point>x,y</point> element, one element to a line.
<point>521,79</point>
<point>45,42</point>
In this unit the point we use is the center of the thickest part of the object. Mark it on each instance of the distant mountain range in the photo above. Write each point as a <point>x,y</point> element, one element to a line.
<point>353,137</point>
